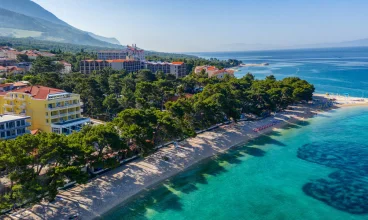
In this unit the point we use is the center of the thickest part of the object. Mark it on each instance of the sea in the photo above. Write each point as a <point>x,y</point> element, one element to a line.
<point>342,71</point>
<point>316,169</point>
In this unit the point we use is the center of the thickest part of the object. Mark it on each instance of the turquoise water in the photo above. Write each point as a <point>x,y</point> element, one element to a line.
<point>332,70</point>
<point>314,170</point>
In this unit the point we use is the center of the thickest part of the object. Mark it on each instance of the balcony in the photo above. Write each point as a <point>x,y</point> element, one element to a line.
<point>64,107</point>
<point>55,116</point>
<point>8,98</point>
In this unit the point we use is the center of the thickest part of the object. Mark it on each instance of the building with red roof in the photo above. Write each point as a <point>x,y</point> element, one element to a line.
<point>50,109</point>
<point>214,71</point>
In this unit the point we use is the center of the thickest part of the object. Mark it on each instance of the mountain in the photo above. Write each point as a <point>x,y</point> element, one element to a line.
<point>110,40</point>
<point>31,9</point>
<point>355,43</point>
<point>352,43</point>
<point>25,18</point>
<point>252,47</point>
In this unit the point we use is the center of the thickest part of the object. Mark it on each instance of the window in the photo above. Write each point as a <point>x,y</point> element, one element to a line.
<point>23,122</point>
<point>47,121</point>
<point>11,124</point>
<point>2,134</point>
<point>47,114</point>
<point>56,130</point>
<point>18,123</point>
<point>2,126</point>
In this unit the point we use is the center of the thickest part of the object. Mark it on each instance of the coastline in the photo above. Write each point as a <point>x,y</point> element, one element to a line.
<point>124,183</point>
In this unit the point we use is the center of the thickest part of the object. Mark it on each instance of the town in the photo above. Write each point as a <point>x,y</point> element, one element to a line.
<point>55,110</point>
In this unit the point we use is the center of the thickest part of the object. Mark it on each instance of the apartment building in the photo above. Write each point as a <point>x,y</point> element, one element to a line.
<point>49,109</point>
<point>178,69</point>
<point>12,126</point>
<point>27,66</point>
<point>7,62</point>
<point>8,52</point>
<point>158,66</point>
<point>33,54</point>
<point>88,66</point>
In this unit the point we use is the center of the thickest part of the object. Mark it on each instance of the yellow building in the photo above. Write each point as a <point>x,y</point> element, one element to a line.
<point>51,110</point>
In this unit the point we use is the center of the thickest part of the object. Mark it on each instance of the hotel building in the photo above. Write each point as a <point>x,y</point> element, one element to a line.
<point>111,54</point>
<point>49,109</point>
<point>131,52</point>
<point>214,71</point>
<point>88,66</point>
<point>158,66</point>
<point>12,126</point>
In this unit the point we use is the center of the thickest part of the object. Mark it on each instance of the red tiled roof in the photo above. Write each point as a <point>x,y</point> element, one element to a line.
<point>119,61</point>
<point>2,68</point>
<point>12,68</point>
<point>178,63</point>
<point>38,92</point>
<point>65,63</point>
<point>34,132</point>
<point>224,71</point>
<point>211,68</point>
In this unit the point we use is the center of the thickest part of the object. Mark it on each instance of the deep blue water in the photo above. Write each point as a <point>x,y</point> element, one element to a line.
<point>332,70</point>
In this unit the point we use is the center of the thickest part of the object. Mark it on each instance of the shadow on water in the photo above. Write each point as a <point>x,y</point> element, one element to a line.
<point>166,196</point>
<point>266,139</point>
<point>347,188</point>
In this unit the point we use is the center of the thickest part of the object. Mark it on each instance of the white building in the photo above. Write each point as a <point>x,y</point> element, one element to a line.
<point>129,53</point>
<point>12,126</point>
<point>67,67</point>
<point>178,69</point>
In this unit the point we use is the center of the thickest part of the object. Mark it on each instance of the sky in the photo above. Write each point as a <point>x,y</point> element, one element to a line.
<point>216,25</point>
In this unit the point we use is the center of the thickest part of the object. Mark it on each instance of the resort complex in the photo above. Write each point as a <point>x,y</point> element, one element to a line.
<point>131,59</point>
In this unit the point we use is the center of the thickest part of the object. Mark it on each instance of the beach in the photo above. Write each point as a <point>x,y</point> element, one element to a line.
<point>104,192</point>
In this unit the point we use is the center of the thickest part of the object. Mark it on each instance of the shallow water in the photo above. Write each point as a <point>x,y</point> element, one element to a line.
<point>313,170</point>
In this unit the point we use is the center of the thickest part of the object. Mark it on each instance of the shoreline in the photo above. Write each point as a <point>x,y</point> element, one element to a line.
<point>121,185</point>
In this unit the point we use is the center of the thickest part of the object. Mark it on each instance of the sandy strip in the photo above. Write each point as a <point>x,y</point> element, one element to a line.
<point>105,192</point>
